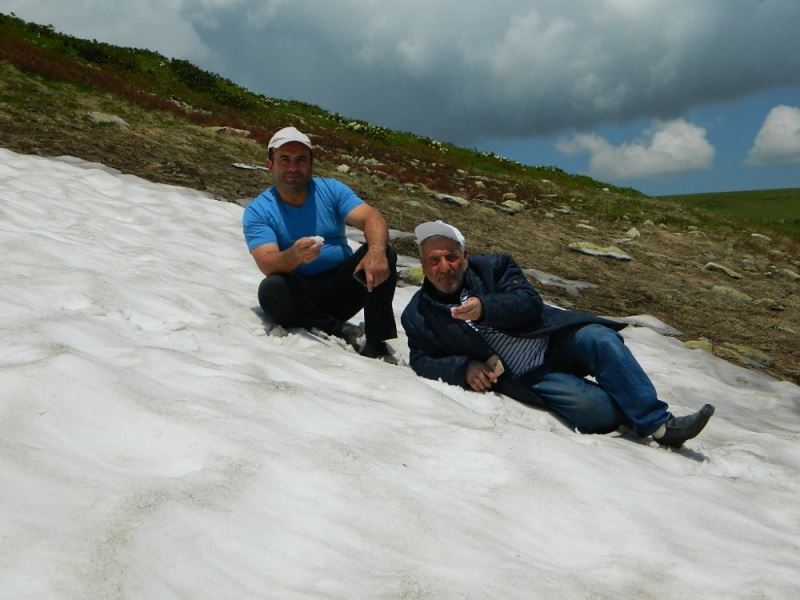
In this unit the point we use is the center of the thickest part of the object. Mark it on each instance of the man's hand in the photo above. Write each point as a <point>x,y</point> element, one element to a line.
<point>480,377</point>
<point>375,266</point>
<point>307,249</point>
<point>470,310</point>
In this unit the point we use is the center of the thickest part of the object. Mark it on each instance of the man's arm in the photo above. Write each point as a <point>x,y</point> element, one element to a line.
<point>374,264</point>
<point>426,359</point>
<point>270,259</point>
<point>513,301</point>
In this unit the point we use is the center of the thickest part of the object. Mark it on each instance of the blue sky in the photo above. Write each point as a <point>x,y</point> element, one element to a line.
<point>667,96</point>
<point>731,130</point>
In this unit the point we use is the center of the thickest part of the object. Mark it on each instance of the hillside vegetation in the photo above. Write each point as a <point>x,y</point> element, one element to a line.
<point>775,209</point>
<point>188,127</point>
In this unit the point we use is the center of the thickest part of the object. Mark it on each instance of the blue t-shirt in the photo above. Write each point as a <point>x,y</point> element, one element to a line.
<point>267,220</point>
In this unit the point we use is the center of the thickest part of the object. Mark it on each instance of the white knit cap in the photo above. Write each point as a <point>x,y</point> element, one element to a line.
<point>433,228</point>
<point>286,135</point>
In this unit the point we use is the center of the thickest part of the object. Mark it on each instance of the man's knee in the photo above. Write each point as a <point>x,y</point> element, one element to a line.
<point>583,404</point>
<point>275,298</point>
<point>598,340</point>
<point>595,332</point>
<point>592,415</point>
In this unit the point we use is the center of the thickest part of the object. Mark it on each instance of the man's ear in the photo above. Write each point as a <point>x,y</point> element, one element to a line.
<point>270,162</point>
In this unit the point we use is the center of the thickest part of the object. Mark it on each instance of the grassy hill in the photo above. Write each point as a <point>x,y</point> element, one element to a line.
<point>772,209</point>
<point>188,127</point>
<point>153,82</point>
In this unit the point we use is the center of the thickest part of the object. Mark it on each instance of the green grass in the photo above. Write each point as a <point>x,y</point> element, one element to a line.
<point>770,209</point>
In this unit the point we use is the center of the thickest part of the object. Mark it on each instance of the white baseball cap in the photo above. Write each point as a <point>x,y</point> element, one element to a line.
<point>286,135</point>
<point>433,228</point>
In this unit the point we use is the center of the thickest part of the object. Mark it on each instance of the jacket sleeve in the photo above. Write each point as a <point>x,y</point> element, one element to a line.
<point>510,300</point>
<point>429,361</point>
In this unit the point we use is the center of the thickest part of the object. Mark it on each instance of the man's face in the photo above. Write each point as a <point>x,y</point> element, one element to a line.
<point>443,263</point>
<point>290,166</point>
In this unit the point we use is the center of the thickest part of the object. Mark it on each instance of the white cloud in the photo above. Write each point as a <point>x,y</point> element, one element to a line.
<point>778,141</point>
<point>668,148</point>
<point>465,70</point>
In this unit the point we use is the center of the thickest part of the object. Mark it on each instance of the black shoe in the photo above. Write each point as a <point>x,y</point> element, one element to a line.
<point>350,333</point>
<point>680,429</point>
<point>379,350</point>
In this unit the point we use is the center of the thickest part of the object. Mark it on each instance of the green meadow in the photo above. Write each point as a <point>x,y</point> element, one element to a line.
<point>772,209</point>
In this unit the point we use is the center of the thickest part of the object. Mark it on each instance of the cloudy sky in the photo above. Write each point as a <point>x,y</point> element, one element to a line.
<point>667,96</point>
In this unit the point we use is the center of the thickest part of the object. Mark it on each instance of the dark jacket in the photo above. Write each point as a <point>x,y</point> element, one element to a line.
<point>441,347</point>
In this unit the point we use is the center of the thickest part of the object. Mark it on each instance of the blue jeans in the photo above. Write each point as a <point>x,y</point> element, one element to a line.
<point>623,394</point>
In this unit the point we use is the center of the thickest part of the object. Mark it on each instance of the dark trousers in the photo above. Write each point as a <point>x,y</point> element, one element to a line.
<point>328,299</point>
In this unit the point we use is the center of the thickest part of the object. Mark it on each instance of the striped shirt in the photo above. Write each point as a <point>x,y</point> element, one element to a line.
<point>519,354</point>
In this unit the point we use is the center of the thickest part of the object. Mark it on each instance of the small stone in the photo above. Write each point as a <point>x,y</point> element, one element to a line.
<point>633,234</point>
<point>452,199</point>
<point>572,286</point>
<point>102,118</point>
<point>650,322</point>
<point>699,345</point>
<point>731,293</point>
<point>412,275</point>
<point>343,169</point>
<point>595,250</point>
<point>770,303</point>
<point>748,355</point>
<point>630,236</point>
<point>509,196</point>
<point>712,266</point>
<point>229,131</point>
<point>249,167</point>
<point>512,206</point>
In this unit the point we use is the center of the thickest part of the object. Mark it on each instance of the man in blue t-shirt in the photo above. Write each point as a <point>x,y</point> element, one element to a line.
<point>295,231</point>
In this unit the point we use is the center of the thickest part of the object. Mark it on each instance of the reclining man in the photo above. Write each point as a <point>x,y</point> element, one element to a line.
<point>480,324</point>
<point>295,231</point>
